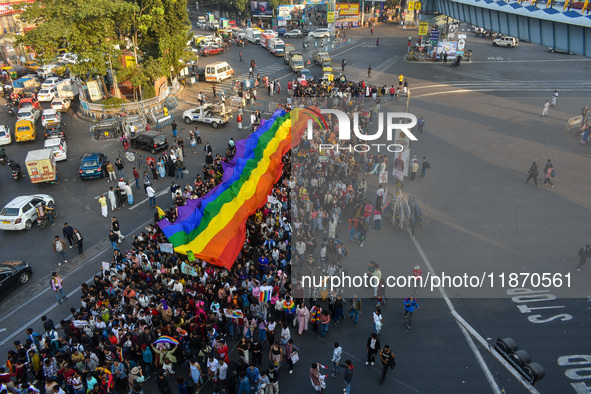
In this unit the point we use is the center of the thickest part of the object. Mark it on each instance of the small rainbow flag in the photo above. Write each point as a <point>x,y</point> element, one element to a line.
<point>289,307</point>
<point>266,293</point>
<point>214,227</point>
<point>233,313</point>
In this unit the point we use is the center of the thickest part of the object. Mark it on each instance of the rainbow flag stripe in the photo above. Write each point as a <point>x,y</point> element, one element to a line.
<point>213,226</point>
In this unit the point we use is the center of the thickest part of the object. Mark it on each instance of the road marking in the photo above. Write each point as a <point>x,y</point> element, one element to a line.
<point>69,295</point>
<point>518,89</point>
<point>135,205</point>
<point>469,340</point>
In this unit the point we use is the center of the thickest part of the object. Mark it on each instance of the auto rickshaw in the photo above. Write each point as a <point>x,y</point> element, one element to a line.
<point>10,71</point>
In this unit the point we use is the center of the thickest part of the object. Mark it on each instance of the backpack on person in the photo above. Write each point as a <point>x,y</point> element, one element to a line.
<point>553,173</point>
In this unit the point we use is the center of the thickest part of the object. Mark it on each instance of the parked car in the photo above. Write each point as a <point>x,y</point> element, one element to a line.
<point>151,141</point>
<point>51,82</point>
<point>296,33</point>
<point>212,50</point>
<point>20,213</point>
<point>47,94</point>
<point>31,114</point>
<point>93,165</point>
<point>54,129</point>
<point>49,116</point>
<point>319,33</point>
<point>12,275</point>
<point>5,137</point>
<point>60,104</point>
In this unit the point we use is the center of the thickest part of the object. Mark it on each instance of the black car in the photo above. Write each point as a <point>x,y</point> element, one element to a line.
<point>13,274</point>
<point>54,130</point>
<point>151,141</point>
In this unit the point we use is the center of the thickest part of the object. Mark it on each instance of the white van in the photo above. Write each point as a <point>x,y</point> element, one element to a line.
<point>505,41</point>
<point>218,71</point>
<point>276,46</point>
<point>253,35</point>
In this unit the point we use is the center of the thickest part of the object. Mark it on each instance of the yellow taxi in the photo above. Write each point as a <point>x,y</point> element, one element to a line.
<point>25,130</point>
<point>31,65</point>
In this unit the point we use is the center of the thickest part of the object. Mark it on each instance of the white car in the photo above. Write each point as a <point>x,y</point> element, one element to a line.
<point>47,94</point>
<point>270,32</point>
<point>60,104</point>
<point>50,116</point>
<point>59,147</point>
<point>51,82</point>
<point>28,113</point>
<point>5,137</point>
<point>319,33</point>
<point>296,33</point>
<point>20,213</point>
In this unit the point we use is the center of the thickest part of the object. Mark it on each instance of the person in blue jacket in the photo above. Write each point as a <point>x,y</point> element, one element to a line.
<point>410,304</point>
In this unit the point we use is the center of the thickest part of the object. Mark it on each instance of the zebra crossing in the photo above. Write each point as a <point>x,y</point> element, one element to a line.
<point>229,84</point>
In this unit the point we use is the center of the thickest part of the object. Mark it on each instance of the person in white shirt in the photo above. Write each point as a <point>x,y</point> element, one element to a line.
<point>212,366</point>
<point>151,196</point>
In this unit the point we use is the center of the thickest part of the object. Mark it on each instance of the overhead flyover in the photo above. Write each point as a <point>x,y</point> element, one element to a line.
<point>568,31</point>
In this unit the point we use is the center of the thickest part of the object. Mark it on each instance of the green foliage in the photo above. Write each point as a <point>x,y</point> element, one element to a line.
<point>99,30</point>
<point>148,91</point>
<point>113,102</point>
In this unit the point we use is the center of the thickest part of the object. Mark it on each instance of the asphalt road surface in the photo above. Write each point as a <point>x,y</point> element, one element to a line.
<point>483,130</point>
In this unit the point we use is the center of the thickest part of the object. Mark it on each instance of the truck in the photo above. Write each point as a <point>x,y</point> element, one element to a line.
<point>265,37</point>
<point>213,25</point>
<point>276,46</point>
<point>253,35</point>
<point>214,114</point>
<point>67,89</point>
<point>288,49</point>
<point>323,59</point>
<point>19,85</point>
<point>296,61</point>
<point>41,165</point>
<point>201,18</point>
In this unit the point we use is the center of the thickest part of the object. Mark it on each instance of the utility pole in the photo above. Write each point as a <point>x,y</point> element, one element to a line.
<point>114,78</point>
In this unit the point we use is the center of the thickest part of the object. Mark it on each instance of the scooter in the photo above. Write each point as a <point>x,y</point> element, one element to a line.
<point>46,219</point>
<point>16,170</point>
<point>10,109</point>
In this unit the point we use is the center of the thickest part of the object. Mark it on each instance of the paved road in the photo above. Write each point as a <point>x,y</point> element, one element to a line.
<point>483,130</point>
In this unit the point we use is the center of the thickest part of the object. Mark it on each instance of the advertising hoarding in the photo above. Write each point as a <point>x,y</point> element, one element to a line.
<point>347,9</point>
<point>262,9</point>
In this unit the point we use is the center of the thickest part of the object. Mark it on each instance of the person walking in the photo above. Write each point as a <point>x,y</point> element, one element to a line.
<point>533,174</point>
<point>240,55</point>
<point>151,195</point>
<point>324,322</point>
<point>336,358</point>
<point>250,75</point>
<point>373,346</point>
<point>114,239</point>
<point>57,285</point>
<point>355,306</point>
<point>136,177</point>
<point>378,42</point>
<point>103,202</point>
<point>68,233</point>
<point>420,124</point>
<point>59,248</point>
<point>584,254</point>
<point>316,378</point>
<point>549,175</point>
<point>129,193</point>
<point>343,64</point>
<point>388,362</point>
<point>372,31</point>
<point>410,304</point>
<point>117,229</point>
<point>369,72</point>
<point>292,354</point>
<point>425,166</point>
<point>348,367</point>
<point>554,98</point>
<point>414,169</point>
<point>545,110</point>
<point>174,125</point>
<point>79,241</point>
<point>377,321</point>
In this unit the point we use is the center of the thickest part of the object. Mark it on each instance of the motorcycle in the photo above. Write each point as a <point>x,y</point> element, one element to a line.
<point>10,109</point>
<point>3,158</point>
<point>43,221</point>
<point>16,170</point>
<point>456,62</point>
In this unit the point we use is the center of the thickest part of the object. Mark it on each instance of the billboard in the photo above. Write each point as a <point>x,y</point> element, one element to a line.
<point>347,9</point>
<point>262,9</point>
<point>290,12</point>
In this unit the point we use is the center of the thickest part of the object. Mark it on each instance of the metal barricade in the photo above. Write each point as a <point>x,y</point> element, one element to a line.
<point>106,129</point>
<point>138,121</point>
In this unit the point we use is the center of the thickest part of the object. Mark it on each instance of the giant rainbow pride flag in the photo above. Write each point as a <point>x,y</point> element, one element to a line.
<point>213,227</point>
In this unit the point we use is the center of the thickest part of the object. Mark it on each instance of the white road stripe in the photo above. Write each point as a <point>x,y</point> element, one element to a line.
<point>491,380</point>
